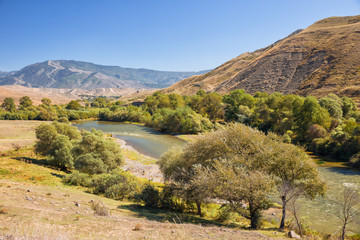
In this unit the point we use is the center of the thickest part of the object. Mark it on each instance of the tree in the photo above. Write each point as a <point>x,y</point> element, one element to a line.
<point>310,113</point>
<point>95,154</point>
<point>350,207</point>
<point>9,105</point>
<point>46,101</point>
<point>73,105</point>
<point>333,104</point>
<point>46,133</point>
<point>25,102</point>
<point>242,147</point>
<point>295,175</point>
<point>348,107</point>
<point>235,183</point>
<point>59,153</point>
<point>211,106</point>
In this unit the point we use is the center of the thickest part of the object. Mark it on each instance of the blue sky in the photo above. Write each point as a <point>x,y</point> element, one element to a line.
<point>178,35</point>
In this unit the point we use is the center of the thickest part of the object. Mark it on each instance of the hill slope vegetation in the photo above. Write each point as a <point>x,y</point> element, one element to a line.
<point>321,59</point>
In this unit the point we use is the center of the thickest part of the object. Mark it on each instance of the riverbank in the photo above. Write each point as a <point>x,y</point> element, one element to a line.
<point>139,164</point>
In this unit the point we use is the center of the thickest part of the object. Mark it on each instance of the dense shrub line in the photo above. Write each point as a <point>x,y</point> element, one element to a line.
<point>328,126</point>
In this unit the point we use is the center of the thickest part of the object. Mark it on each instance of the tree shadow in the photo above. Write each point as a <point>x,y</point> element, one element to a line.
<point>57,175</point>
<point>344,170</point>
<point>40,162</point>
<point>163,215</point>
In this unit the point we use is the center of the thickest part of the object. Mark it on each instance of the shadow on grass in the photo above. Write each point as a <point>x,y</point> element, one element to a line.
<point>163,215</point>
<point>40,162</point>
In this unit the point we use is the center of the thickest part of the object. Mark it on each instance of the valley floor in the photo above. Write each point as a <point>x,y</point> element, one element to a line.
<point>35,204</point>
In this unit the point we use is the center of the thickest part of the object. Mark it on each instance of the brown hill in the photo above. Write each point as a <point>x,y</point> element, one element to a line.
<point>59,95</point>
<point>323,58</point>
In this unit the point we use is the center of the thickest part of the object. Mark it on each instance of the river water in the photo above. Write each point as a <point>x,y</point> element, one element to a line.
<point>321,213</point>
<point>145,140</point>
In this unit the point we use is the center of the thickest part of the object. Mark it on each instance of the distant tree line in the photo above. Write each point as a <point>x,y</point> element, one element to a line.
<point>328,126</point>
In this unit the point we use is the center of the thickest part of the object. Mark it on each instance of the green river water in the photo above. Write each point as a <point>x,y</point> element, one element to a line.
<point>321,213</point>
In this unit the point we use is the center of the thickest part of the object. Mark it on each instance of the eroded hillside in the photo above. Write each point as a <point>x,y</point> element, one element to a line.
<point>320,59</point>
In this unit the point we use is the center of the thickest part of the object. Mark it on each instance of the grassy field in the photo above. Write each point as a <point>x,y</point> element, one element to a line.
<point>15,133</point>
<point>36,204</point>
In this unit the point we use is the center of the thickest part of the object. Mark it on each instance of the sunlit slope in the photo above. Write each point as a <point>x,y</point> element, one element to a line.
<point>320,59</point>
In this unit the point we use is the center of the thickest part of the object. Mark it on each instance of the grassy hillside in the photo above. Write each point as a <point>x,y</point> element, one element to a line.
<point>36,204</point>
<point>321,59</point>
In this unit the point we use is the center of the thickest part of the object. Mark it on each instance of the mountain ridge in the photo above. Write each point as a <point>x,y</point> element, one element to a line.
<point>86,75</point>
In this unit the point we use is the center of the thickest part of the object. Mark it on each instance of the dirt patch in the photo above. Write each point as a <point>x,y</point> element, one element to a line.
<point>141,165</point>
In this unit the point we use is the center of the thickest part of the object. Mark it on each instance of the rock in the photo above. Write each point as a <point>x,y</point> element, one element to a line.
<point>28,190</point>
<point>273,214</point>
<point>77,204</point>
<point>292,234</point>
<point>51,203</point>
<point>29,199</point>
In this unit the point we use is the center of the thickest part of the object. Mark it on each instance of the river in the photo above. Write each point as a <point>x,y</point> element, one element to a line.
<point>321,213</point>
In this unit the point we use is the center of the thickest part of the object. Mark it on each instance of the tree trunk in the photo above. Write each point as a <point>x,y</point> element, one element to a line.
<point>282,224</point>
<point>255,216</point>
<point>198,205</point>
<point>343,230</point>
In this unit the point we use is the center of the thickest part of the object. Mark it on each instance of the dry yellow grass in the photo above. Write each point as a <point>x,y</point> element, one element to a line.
<point>44,208</point>
<point>35,204</point>
<point>17,132</point>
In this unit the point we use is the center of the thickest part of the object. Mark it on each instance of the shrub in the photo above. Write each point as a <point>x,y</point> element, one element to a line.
<point>150,196</point>
<point>355,161</point>
<point>117,185</point>
<point>100,209</point>
<point>78,179</point>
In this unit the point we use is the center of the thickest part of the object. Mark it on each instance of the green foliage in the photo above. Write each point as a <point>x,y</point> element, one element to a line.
<point>181,120</point>
<point>9,105</point>
<point>95,154</point>
<point>59,153</point>
<point>355,161</point>
<point>46,102</point>
<point>116,185</point>
<point>310,113</point>
<point>66,147</point>
<point>73,105</point>
<point>78,179</point>
<point>238,164</point>
<point>25,102</point>
<point>150,196</point>
<point>333,104</point>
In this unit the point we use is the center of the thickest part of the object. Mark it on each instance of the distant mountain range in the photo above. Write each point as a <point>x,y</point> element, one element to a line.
<point>323,58</point>
<point>85,75</point>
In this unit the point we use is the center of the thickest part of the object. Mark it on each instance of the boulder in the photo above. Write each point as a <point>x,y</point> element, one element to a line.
<point>292,234</point>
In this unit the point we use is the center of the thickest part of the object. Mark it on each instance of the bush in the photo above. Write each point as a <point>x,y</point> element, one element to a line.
<point>100,209</point>
<point>78,179</point>
<point>150,196</point>
<point>117,185</point>
<point>355,161</point>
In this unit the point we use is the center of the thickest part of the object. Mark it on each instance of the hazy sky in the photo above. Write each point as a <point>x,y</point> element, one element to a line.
<point>156,34</point>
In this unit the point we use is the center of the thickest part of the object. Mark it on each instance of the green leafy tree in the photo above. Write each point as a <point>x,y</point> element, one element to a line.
<point>25,102</point>
<point>333,105</point>
<point>46,102</point>
<point>295,175</point>
<point>59,153</point>
<point>348,107</point>
<point>95,154</point>
<point>9,105</point>
<point>73,105</point>
<point>310,113</point>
